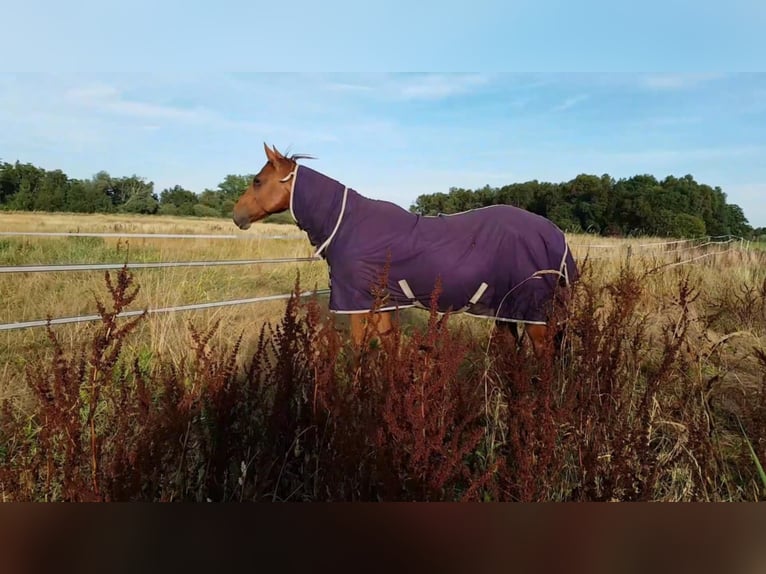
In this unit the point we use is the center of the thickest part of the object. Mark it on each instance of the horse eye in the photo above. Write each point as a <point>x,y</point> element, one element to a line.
<point>256,181</point>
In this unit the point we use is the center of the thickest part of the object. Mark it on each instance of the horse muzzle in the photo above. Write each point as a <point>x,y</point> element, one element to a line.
<point>241,220</point>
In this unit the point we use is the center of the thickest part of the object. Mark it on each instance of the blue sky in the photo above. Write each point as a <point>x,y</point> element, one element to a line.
<point>394,136</point>
<point>162,89</point>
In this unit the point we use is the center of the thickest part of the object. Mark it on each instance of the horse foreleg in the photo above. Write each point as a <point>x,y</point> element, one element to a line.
<point>538,335</point>
<point>516,330</point>
<point>379,323</point>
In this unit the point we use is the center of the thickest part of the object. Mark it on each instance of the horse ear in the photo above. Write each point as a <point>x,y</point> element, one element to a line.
<point>277,153</point>
<point>269,154</point>
<point>273,154</point>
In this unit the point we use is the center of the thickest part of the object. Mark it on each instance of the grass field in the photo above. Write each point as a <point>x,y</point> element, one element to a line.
<point>36,296</point>
<point>705,345</point>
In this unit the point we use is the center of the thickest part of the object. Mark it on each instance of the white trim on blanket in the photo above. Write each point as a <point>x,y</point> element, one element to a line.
<point>385,309</point>
<point>369,310</point>
<point>504,320</point>
<point>292,191</point>
<point>324,245</point>
<point>564,270</point>
<point>337,224</point>
<point>469,210</point>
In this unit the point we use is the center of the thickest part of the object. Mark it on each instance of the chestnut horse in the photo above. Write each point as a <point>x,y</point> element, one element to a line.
<point>498,262</point>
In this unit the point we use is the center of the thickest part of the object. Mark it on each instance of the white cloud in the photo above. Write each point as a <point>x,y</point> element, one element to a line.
<point>670,121</point>
<point>676,81</point>
<point>437,86</point>
<point>95,92</point>
<point>662,156</point>
<point>570,102</point>
<point>347,87</point>
<point>110,99</point>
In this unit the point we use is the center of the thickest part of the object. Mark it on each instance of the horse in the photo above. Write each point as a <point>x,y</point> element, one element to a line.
<point>498,262</point>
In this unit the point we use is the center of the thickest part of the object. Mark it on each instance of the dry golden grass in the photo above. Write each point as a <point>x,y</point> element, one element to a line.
<point>666,359</point>
<point>33,296</point>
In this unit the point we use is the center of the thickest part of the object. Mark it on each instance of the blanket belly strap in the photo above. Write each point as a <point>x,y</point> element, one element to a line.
<point>479,292</point>
<point>405,287</point>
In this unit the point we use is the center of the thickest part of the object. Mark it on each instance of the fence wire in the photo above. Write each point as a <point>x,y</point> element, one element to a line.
<point>156,265</point>
<point>192,307</point>
<point>250,237</point>
<point>709,240</point>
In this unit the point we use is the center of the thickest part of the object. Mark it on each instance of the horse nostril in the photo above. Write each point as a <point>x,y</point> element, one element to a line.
<point>240,220</point>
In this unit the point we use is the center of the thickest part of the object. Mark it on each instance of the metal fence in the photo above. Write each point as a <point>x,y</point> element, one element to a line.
<point>729,242</point>
<point>58,268</point>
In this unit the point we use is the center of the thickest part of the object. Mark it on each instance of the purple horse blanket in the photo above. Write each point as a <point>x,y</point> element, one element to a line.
<point>497,262</point>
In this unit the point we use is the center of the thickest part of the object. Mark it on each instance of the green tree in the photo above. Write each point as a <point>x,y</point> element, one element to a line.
<point>563,215</point>
<point>182,199</point>
<point>124,188</point>
<point>24,199</point>
<point>103,185</point>
<point>143,201</point>
<point>430,204</point>
<point>285,217</point>
<point>547,198</point>
<point>85,197</point>
<point>589,198</point>
<point>168,209</point>
<point>227,207</point>
<point>519,194</point>
<point>233,186</point>
<point>9,184</point>
<point>201,210</point>
<point>52,191</point>
<point>212,199</point>
<point>737,221</point>
<point>22,182</point>
<point>687,225</point>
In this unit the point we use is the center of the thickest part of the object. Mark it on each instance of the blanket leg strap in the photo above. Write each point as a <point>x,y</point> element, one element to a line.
<point>405,287</point>
<point>479,292</point>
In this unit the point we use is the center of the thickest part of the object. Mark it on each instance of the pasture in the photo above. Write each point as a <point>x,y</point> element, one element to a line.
<point>39,295</point>
<point>659,394</point>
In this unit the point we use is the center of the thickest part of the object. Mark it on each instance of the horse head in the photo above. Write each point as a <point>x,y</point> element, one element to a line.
<point>268,192</point>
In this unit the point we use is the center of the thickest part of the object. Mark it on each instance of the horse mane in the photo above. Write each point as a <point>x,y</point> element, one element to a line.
<point>296,156</point>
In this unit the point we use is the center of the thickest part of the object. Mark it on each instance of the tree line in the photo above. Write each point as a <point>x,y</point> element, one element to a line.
<point>639,205</point>
<point>673,207</point>
<point>25,187</point>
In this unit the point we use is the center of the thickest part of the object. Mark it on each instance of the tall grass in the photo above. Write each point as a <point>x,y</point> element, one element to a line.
<point>658,392</point>
<point>435,414</point>
<point>31,296</point>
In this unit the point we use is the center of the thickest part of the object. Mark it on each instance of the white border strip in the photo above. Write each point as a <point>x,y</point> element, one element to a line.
<point>292,190</point>
<point>157,265</point>
<point>337,224</point>
<point>193,307</point>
